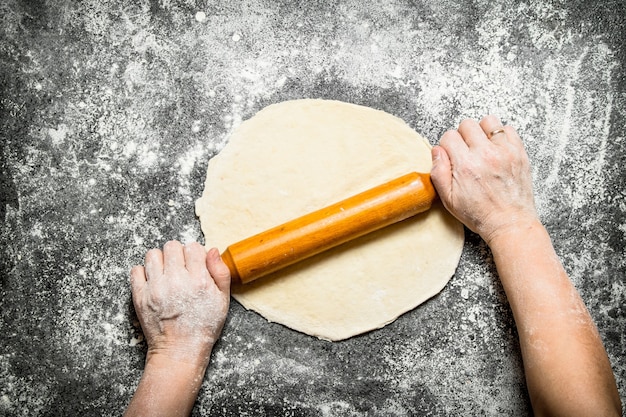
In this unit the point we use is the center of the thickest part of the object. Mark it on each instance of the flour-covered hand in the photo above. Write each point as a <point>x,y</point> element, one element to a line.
<point>484,181</point>
<point>181,297</point>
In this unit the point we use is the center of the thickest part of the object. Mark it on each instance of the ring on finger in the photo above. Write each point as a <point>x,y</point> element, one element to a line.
<point>495,132</point>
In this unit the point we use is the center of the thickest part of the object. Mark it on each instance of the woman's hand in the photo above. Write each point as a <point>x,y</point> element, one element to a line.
<point>482,174</point>
<point>181,297</point>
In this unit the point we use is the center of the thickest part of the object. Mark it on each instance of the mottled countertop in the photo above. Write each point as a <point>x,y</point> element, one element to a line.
<point>110,111</point>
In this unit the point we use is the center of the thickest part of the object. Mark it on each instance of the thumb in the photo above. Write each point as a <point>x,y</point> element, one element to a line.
<point>441,172</point>
<point>218,270</point>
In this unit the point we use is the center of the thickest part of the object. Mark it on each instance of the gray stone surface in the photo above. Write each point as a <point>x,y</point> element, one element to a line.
<point>110,111</point>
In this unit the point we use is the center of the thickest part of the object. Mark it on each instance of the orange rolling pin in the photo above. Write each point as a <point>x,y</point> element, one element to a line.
<point>331,226</point>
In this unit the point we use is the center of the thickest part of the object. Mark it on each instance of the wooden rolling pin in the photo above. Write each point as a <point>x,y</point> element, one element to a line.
<point>331,226</point>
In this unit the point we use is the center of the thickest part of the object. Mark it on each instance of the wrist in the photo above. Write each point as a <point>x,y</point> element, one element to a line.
<point>513,231</point>
<point>186,355</point>
<point>164,367</point>
<point>169,385</point>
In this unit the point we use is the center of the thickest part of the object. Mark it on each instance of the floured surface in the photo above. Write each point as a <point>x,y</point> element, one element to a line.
<point>298,156</point>
<point>112,108</point>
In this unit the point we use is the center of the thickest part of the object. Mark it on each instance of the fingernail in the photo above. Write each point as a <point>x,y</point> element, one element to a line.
<point>214,253</point>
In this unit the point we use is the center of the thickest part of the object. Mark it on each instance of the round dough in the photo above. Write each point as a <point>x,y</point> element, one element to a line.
<point>298,156</point>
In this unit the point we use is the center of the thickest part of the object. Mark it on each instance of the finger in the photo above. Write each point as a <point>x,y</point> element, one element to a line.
<point>441,172</point>
<point>153,264</point>
<point>138,281</point>
<point>173,257</point>
<point>454,145</point>
<point>472,133</point>
<point>453,141</point>
<point>195,259</point>
<point>493,128</point>
<point>513,137</point>
<point>218,270</point>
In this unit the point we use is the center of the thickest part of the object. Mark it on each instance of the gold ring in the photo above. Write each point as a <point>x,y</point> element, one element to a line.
<point>495,132</point>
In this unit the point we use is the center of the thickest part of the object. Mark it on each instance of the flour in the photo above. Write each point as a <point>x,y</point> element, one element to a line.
<point>200,17</point>
<point>113,110</point>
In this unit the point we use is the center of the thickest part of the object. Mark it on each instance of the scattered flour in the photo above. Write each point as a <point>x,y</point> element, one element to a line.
<point>191,86</point>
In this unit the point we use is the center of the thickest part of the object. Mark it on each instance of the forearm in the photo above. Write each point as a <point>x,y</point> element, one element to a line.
<point>558,338</point>
<point>167,387</point>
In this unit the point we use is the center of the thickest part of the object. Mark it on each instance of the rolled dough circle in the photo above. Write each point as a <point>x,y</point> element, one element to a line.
<point>298,156</point>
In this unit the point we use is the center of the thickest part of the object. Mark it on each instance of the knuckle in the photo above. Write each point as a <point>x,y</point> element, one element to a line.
<point>466,121</point>
<point>446,138</point>
<point>153,252</point>
<point>193,247</point>
<point>171,243</point>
